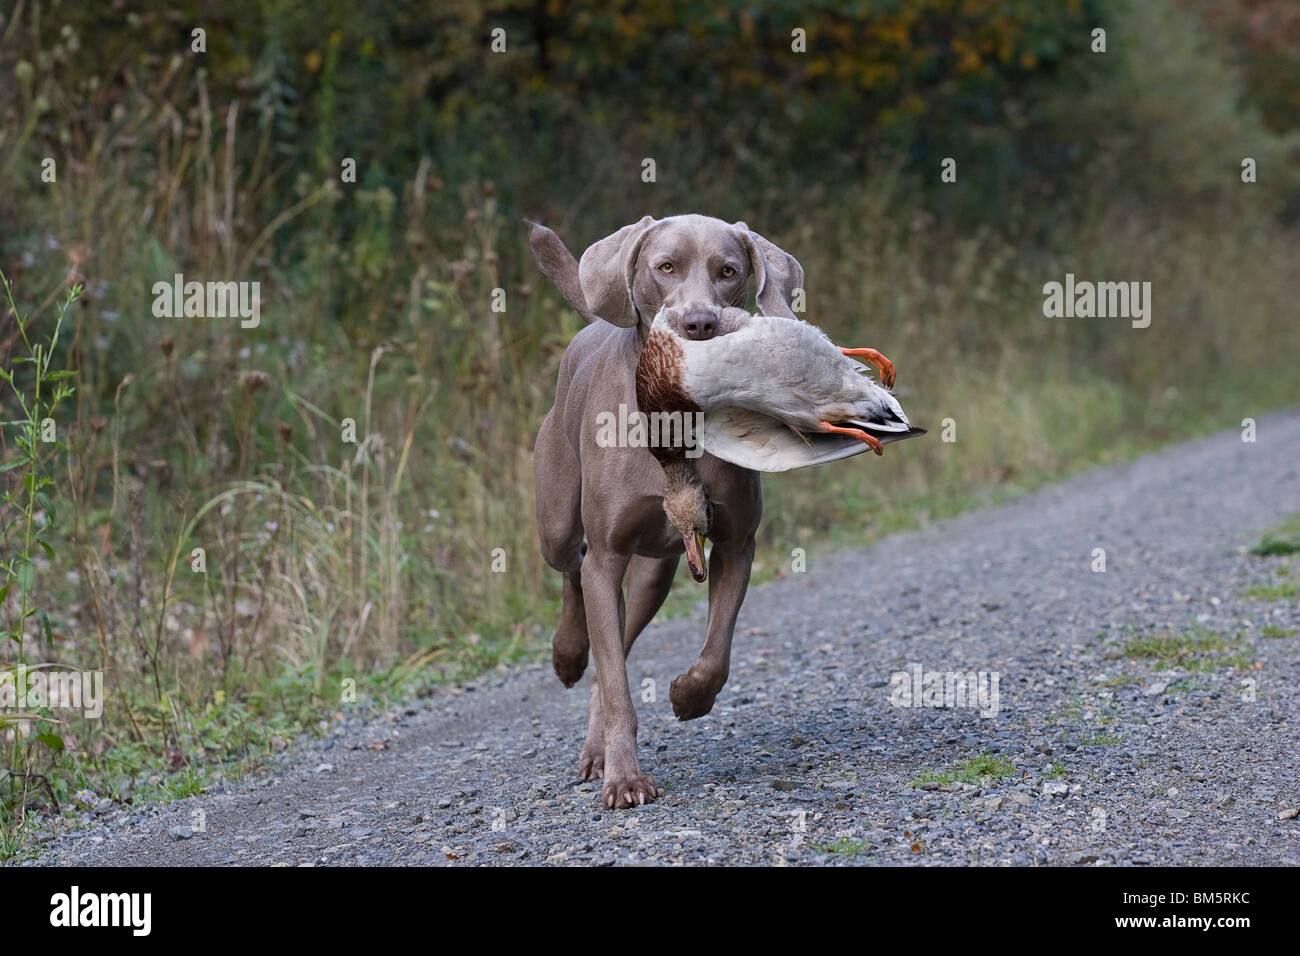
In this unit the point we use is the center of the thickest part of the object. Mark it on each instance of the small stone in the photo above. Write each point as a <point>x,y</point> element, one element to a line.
<point>1055,788</point>
<point>1289,814</point>
<point>1157,688</point>
<point>180,833</point>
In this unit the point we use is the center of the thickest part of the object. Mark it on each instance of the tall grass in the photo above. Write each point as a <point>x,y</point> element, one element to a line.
<point>37,389</point>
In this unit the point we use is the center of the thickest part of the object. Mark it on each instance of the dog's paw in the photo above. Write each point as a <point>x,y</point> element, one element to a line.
<point>591,763</point>
<point>569,664</point>
<point>569,651</point>
<point>635,791</point>
<point>693,695</point>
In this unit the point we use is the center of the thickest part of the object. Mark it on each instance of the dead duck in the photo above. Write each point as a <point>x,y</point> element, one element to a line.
<point>776,393</point>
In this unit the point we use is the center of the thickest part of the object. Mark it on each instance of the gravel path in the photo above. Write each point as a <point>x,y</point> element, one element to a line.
<point>1108,758</point>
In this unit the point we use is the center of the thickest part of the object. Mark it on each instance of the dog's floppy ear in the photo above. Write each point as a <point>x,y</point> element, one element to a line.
<point>776,272</point>
<point>607,270</point>
<point>554,258</point>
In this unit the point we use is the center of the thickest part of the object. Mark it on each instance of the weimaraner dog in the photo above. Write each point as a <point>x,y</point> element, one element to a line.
<point>600,510</point>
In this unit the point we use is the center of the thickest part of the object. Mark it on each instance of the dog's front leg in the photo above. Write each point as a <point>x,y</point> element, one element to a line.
<point>602,588</point>
<point>693,693</point>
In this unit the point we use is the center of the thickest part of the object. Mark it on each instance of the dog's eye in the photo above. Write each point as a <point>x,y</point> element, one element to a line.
<point>728,271</point>
<point>666,268</point>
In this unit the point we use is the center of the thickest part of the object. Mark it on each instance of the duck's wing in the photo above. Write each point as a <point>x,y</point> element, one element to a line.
<point>788,370</point>
<point>759,442</point>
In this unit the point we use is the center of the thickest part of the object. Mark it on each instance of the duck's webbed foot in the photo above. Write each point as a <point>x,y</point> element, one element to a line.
<point>857,433</point>
<point>872,357</point>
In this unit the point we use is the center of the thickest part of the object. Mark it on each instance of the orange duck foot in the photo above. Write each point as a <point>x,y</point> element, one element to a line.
<point>882,364</point>
<point>857,433</point>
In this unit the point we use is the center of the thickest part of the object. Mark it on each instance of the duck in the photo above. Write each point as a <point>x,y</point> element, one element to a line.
<point>689,511</point>
<point>776,393</point>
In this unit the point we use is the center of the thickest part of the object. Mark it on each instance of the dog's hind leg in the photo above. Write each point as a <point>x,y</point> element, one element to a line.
<point>570,645</point>
<point>556,475</point>
<point>648,583</point>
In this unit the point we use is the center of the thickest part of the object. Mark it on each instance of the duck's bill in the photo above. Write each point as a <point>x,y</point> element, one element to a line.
<point>695,556</point>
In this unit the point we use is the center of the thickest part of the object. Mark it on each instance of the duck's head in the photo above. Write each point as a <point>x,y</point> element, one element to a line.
<point>690,512</point>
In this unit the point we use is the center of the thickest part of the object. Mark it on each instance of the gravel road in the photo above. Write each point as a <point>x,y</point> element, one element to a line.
<point>1097,756</point>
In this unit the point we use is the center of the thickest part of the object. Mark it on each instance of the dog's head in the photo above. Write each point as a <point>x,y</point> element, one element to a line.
<point>694,265</point>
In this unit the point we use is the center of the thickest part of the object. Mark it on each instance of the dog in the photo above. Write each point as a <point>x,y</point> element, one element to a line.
<point>600,510</point>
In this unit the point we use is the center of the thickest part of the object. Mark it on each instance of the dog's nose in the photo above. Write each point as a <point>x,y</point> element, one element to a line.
<point>700,325</point>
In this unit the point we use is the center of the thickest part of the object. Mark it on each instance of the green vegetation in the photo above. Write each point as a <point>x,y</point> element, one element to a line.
<point>1101,739</point>
<point>1282,591</point>
<point>844,846</point>
<point>38,390</point>
<point>1119,680</point>
<point>1282,540</point>
<point>971,770</point>
<point>339,572</point>
<point>1274,631</point>
<point>1198,650</point>
<point>1187,686</point>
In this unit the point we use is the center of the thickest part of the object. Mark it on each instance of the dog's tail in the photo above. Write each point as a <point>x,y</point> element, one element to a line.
<point>554,259</point>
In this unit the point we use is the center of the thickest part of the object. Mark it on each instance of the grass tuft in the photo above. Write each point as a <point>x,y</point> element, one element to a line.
<point>1282,540</point>
<point>1198,649</point>
<point>971,770</point>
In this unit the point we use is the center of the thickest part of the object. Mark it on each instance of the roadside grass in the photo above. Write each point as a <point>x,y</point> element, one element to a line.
<point>843,846</point>
<point>1197,649</point>
<point>1282,540</point>
<point>1119,680</point>
<point>1276,632</point>
<point>1282,591</point>
<point>1101,739</point>
<point>1187,686</point>
<point>971,770</point>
